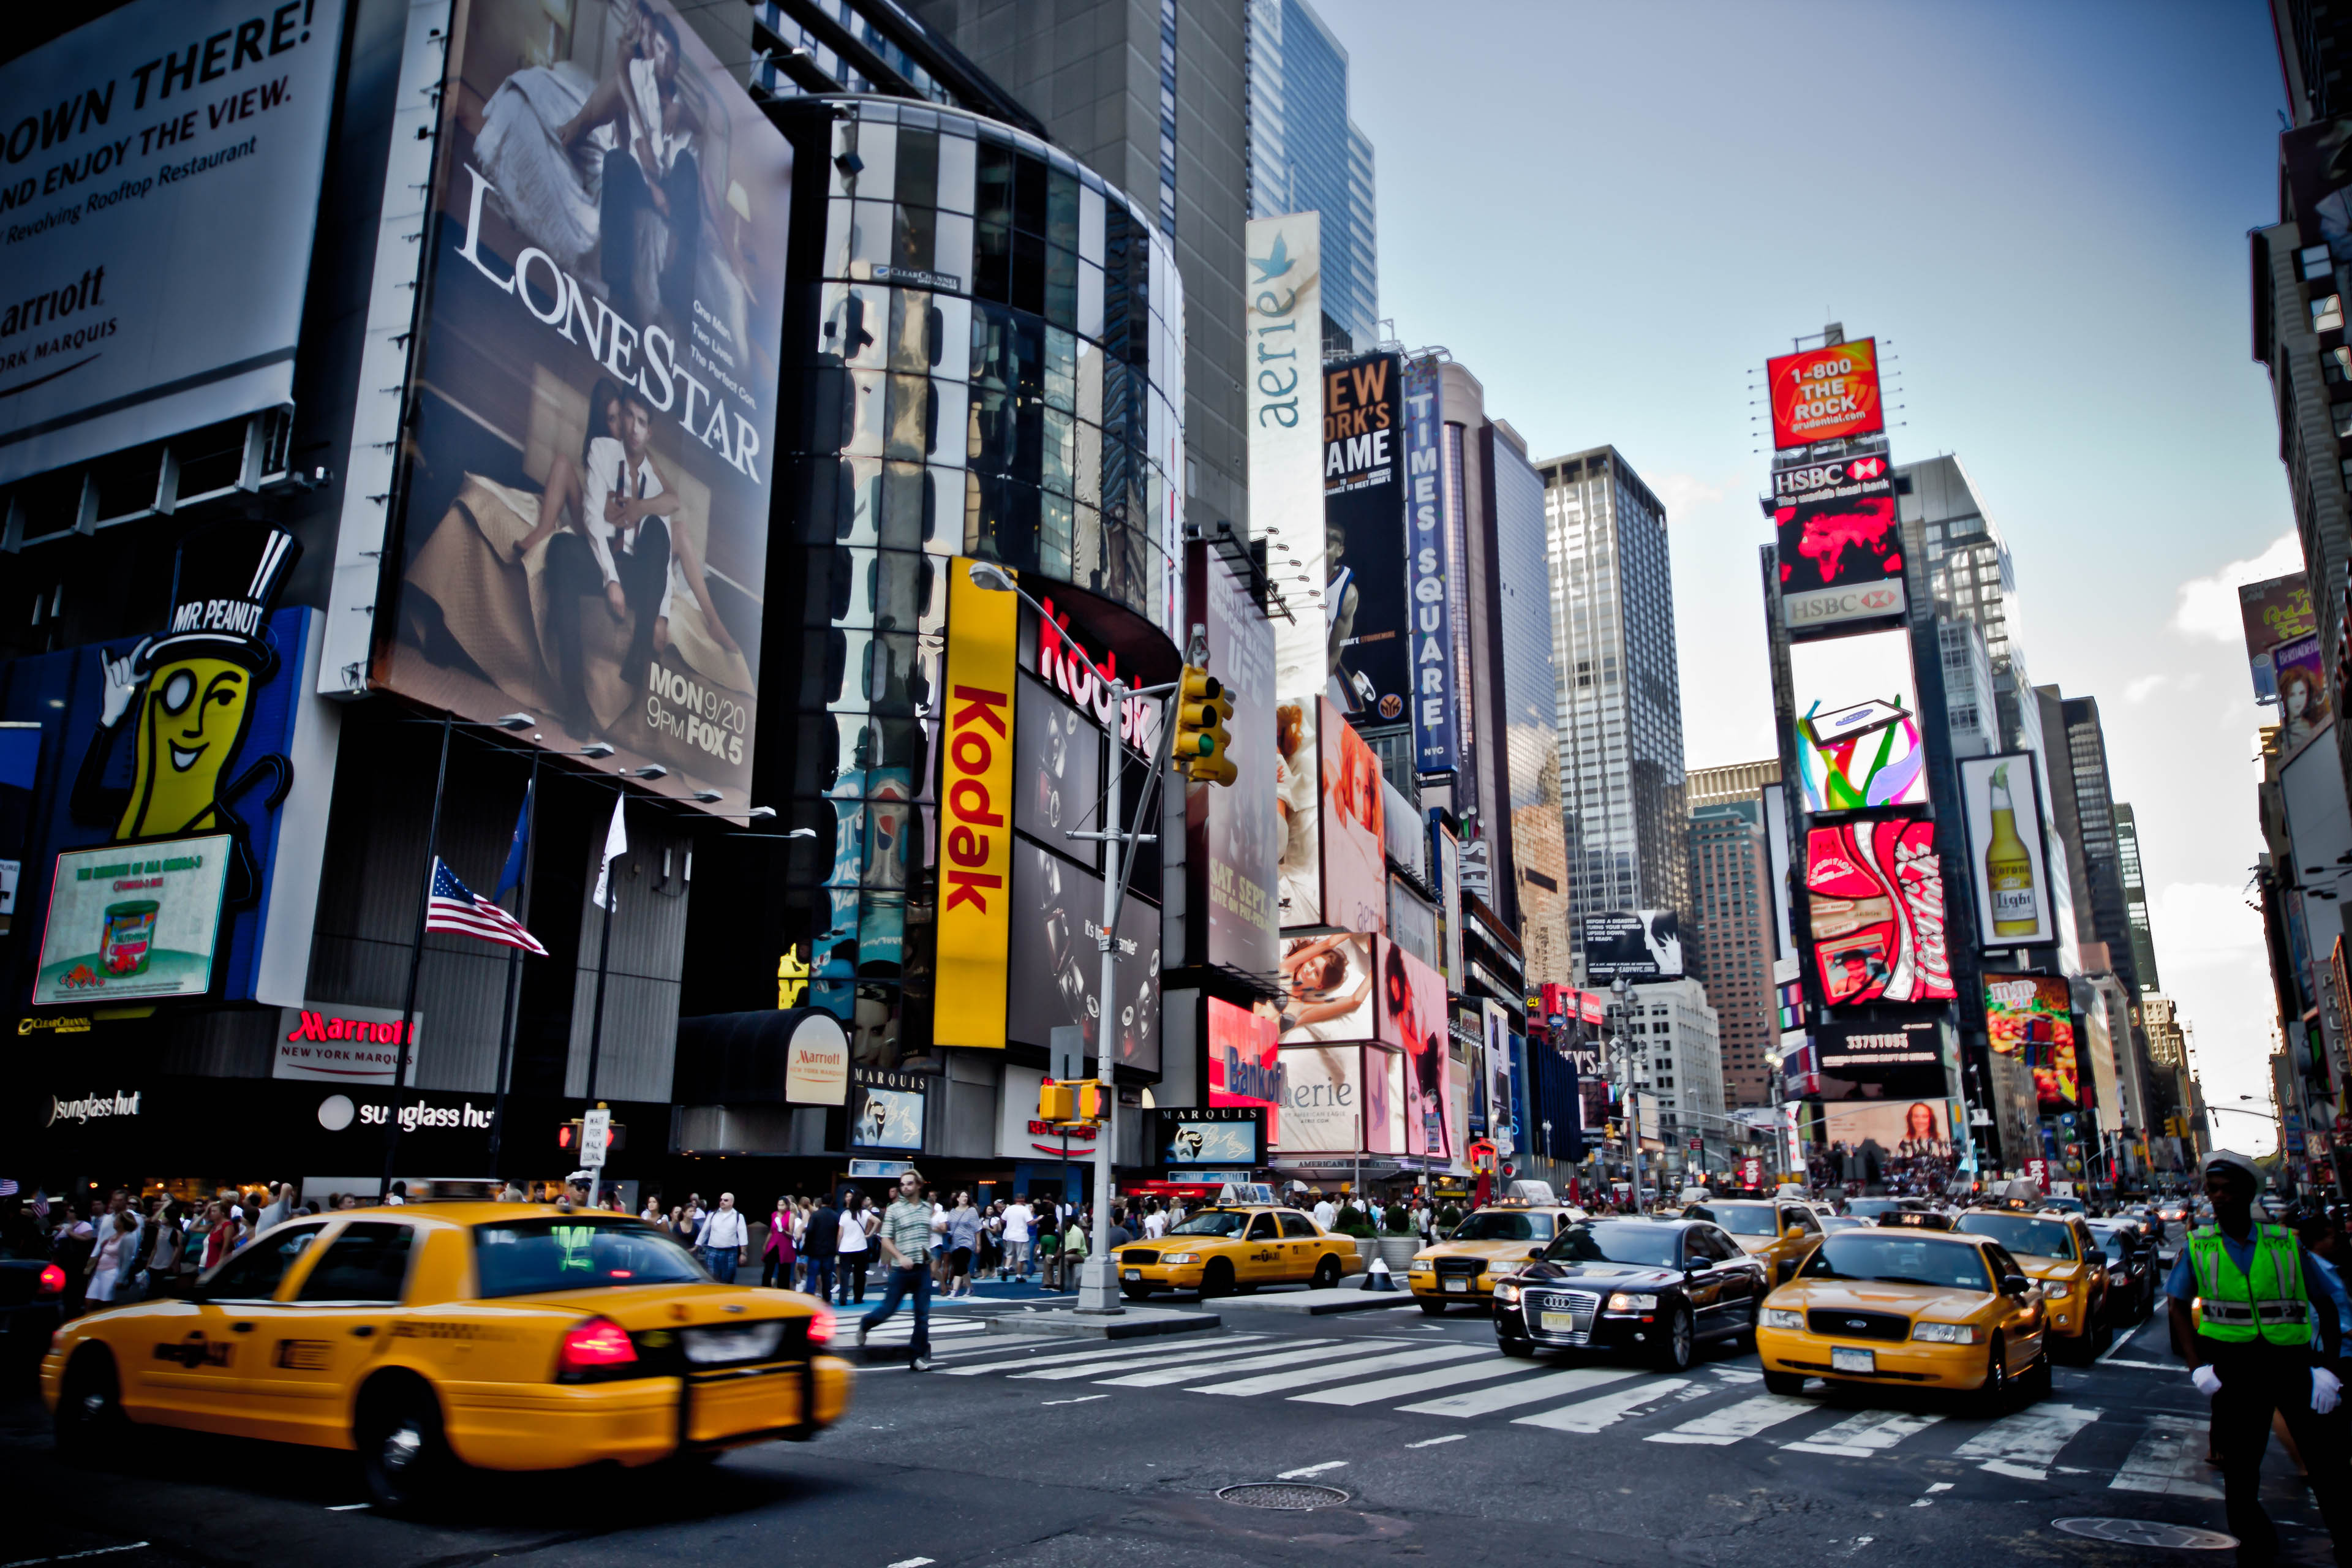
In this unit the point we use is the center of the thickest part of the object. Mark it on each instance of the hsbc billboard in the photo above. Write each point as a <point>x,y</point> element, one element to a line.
<point>1841,547</point>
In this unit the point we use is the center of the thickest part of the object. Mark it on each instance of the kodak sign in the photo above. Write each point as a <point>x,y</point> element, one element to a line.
<point>975,813</point>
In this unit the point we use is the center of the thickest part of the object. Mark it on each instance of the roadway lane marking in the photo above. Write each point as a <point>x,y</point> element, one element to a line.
<point>1305,1470</point>
<point>1930,1500</point>
<point>1096,1354</point>
<point>2022,1446</point>
<point>1413,1382</point>
<point>1745,1419</point>
<point>1191,1358</point>
<point>1860,1436</point>
<point>1081,1399</point>
<point>72,1556</point>
<point>2169,1459</point>
<point>1295,1351</point>
<point>1283,1381</point>
<point>347,1507</point>
<point>914,1562</point>
<point>1527,1391</point>
<point>1433,1442</point>
<point>2142,1365</point>
<point>1593,1414</point>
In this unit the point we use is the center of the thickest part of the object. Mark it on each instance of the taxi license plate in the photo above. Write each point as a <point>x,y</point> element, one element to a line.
<point>1132,1274</point>
<point>1557,1323</point>
<point>1460,1285</point>
<point>1844,1360</point>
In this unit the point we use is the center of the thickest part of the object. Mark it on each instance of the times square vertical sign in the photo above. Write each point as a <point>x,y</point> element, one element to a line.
<point>1426,564</point>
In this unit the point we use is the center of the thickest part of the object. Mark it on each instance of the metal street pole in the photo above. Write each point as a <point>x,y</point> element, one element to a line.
<point>1099,1284</point>
<point>407,1044</point>
<point>514,963</point>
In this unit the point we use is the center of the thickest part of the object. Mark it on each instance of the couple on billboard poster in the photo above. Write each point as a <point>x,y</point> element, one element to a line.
<point>587,494</point>
<point>1359,987</point>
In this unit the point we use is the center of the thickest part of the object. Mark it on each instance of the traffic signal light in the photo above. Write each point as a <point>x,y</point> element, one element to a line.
<point>1201,745</point>
<point>1077,1102</point>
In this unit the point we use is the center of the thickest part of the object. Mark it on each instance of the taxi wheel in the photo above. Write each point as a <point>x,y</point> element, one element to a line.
<point>90,1416</point>
<point>1434,1309</point>
<point>2035,1384</point>
<point>1992,1398</point>
<point>403,1457</point>
<point>1784,1382</point>
<point>1218,1280</point>
<point>1676,1340</point>
<point>1137,1292</point>
<point>1326,1274</point>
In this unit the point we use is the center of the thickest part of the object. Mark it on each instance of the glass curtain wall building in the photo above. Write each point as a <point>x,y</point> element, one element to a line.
<point>1619,712</point>
<point>1307,155</point>
<point>1530,708</point>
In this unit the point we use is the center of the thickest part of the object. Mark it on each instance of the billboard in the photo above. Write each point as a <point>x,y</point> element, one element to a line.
<point>1354,834</point>
<point>1055,969</point>
<point>2273,612</point>
<point>2001,798</point>
<point>1881,1060</point>
<point>1245,1059</point>
<point>133,925</point>
<point>1234,1136</point>
<point>1633,944</point>
<point>1363,529</point>
<point>583,530</point>
<point>1411,1017</point>
<point>886,1109</point>
<point>1429,563</point>
<point>2303,705</point>
<point>1825,394</point>
<point>1857,709</point>
<point>1323,1100</point>
<point>1905,1141</point>
<point>1385,1099</point>
<point>2031,1017</point>
<point>1236,838</point>
<point>1327,984</point>
<point>1841,549</point>
<point>1057,783</point>
<point>1282,283</point>
<point>1298,801</point>
<point>1877,898</point>
<point>134,187</point>
<point>976,781</point>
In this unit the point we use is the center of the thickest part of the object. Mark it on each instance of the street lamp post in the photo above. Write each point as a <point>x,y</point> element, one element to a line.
<point>1624,1057</point>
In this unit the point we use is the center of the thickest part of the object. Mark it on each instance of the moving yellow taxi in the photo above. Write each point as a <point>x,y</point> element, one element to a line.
<point>1239,1246</point>
<point>1780,1234</point>
<point>1920,1307</point>
<point>429,1338</point>
<point>2057,1252</point>
<point>1490,1243</point>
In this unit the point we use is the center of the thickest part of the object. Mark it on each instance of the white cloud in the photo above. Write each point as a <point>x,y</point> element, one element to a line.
<point>1684,493</point>
<point>2209,605</point>
<point>2145,686</point>
<point>2211,958</point>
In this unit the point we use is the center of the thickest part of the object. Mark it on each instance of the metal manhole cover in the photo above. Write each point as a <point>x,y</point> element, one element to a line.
<point>1286,1495</point>
<point>2147,1532</point>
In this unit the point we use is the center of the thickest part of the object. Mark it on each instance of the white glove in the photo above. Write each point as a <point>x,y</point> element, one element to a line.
<point>122,681</point>
<point>2325,1386</point>
<point>2209,1381</point>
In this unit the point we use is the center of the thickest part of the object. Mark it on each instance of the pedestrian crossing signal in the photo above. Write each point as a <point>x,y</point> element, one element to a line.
<point>1202,746</point>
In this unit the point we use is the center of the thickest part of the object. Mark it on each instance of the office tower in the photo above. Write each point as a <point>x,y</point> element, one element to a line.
<point>1307,155</point>
<point>1155,96</point>
<point>1678,1059</point>
<point>1730,782</point>
<point>1731,895</point>
<point>1970,713</point>
<point>853,45</point>
<point>1621,726</point>
<point>2086,755</point>
<point>1527,711</point>
<point>2143,937</point>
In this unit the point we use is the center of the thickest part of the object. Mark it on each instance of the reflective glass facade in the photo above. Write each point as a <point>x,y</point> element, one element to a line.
<point>1307,155</point>
<point>1529,711</point>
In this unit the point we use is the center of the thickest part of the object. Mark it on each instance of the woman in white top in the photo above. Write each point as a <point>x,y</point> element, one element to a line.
<point>855,1253</point>
<point>113,1251</point>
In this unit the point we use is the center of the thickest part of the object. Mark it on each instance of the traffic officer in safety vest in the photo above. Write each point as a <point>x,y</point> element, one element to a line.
<point>2252,1315</point>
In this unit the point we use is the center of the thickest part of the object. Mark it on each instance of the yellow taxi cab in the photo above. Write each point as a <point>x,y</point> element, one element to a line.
<point>435,1337</point>
<point>1915,1307</point>
<point>1242,1241</point>
<point>1779,1233</point>
<point>1488,1245</point>
<point>2058,1252</point>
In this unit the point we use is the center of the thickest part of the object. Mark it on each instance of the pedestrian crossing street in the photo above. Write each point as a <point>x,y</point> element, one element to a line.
<point>1716,1404</point>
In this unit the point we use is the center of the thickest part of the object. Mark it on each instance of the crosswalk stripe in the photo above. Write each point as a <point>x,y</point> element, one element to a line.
<point>1528,1391</point>
<point>2024,1444</point>
<point>1871,1432</point>
<point>1300,1377</point>
<point>2169,1458</point>
<point>1096,1353</point>
<point>1734,1422</point>
<point>1414,1383</point>
<point>999,1344</point>
<point>1189,1358</point>
<point>1607,1410</point>
<point>1293,1353</point>
<point>900,1332</point>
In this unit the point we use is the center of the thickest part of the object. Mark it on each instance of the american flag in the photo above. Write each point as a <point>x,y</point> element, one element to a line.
<point>454,907</point>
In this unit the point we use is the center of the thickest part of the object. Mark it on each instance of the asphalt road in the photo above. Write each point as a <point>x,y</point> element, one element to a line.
<point>1026,1451</point>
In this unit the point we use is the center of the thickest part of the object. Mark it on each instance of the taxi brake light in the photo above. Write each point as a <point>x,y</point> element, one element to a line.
<point>820,1328</point>
<point>53,1281</point>
<point>594,1345</point>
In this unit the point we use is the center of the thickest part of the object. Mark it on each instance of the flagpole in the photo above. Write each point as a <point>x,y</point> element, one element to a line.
<point>604,954</point>
<point>514,962</point>
<point>402,1046</point>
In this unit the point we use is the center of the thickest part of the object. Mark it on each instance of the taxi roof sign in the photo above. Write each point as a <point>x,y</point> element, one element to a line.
<point>1529,1191</point>
<point>1243,1194</point>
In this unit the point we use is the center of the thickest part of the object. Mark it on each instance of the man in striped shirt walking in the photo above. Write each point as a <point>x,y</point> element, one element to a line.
<point>905,1239</point>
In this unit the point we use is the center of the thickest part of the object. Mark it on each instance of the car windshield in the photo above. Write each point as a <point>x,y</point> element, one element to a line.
<point>1739,1219</point>
<point>531,1256</point>
<point>1635,1241</point>
<point>1213,1222</point>
<point>1871,1208</point>
<point>1503,1224</point>
<point>1892,1257</point>
<point>2023,1233</point>
<point>1837,1222</point>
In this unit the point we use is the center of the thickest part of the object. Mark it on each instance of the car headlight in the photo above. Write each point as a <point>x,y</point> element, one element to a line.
<point>1945,1334</point>
<point>1508,1293</point>
<point>1783,1318</point>
<point>1175,1257</point>
<point>1633,1301</point>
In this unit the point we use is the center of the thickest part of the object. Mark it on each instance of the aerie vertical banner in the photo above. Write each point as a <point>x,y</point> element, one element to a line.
<point>975,800</point>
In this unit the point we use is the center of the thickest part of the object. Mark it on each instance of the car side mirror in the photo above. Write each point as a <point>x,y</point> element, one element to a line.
<point>2014,1284</point>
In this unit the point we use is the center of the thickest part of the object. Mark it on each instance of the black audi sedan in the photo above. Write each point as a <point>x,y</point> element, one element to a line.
<point>1652,1288</point>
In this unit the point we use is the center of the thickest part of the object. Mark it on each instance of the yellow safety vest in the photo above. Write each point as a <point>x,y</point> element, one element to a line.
<point>2235,1309</point>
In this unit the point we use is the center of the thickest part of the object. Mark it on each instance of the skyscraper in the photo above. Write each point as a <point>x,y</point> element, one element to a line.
<point>1307,155</point>
<point>1732,944</point>
<point>2143,936</point>
<point>1528,709</point>
<point>1621,726</point>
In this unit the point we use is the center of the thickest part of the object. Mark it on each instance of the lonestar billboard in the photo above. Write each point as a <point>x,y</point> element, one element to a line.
<point>975,793</point>
<point>1826,394</point>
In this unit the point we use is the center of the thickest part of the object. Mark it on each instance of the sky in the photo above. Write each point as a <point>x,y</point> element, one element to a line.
<point>1611,215</point>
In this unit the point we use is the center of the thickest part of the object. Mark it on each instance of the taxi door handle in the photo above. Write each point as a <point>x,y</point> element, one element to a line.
<point>241,1328</point>
<point>365,1331</point>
